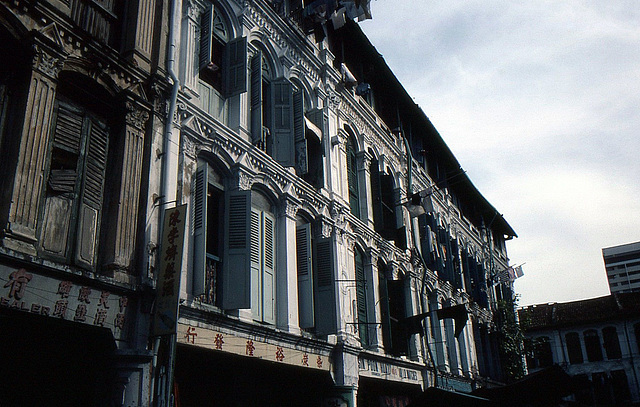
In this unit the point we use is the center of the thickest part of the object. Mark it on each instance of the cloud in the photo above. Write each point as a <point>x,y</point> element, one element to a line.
<point>539,103</point>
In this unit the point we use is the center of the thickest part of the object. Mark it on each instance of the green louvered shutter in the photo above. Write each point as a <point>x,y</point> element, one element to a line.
<point>235,67</point>
<point>361,299</point>
<point>299,127</point>
<point>283,148</point>
<point>268,270</point>
<point>199,205</point>
<point>206,48</point>
<point>256,98</point>
<point>236,278</point>
<point>305,276</point>
<point>325,295</point>
<point>376,197</point>
<point>384,311</point>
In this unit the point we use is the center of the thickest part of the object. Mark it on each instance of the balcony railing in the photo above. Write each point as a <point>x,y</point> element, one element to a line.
<point>98,18</point>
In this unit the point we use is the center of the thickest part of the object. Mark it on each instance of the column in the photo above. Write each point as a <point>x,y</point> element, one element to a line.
<point>286,272</point>
<point>190,45</point>
<point>139,36</point>
<point>34,143</point>
<point>123,216</point>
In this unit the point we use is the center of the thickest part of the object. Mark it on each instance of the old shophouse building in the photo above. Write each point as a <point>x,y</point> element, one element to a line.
<point>328,220</point>
<point>596,341</point>
<point>334,251</point>
<point>79,88</point>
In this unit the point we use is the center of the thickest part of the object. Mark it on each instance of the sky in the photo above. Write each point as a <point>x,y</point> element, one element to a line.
<point>540,103</point>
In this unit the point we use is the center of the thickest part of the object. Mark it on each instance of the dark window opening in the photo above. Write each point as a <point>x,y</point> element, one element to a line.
<point>574,348</point>
<point>592,345</point>
<point>611,343</point>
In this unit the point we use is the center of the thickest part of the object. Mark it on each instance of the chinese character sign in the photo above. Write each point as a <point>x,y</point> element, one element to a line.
<point>170,264</point>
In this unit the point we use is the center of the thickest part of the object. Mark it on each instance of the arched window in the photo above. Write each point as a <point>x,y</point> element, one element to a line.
<point>352,177</point>
<point>208,233</point>
<point>592,345</point>
<point>611,342</point>
<point>574,348</point>
<point>75,178</point>
<point>222,62</point>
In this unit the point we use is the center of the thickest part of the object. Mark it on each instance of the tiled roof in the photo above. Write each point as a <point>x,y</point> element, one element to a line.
<point>611,307</point>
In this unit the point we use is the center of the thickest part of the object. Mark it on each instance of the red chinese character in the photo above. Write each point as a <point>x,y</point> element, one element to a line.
<point>118,321</point>
<point>170,270</point>
<point>171,252</point>
<point>174,218</point>
<point>305,359</point>
<point>191,334</point>
<point>81,313</point>
<point>84,294</point>
<point>101,316</point>
<point>279,354</point>
<point>60,308</point>
<point>123,302</point>
<point>172,235</point>
<point>218,341</point>
<point>250,348</point>
<point>319,362</point>
<point>167,288</point>
<point>104,297</point>
<point>64,288</point>
<point>18,282</point>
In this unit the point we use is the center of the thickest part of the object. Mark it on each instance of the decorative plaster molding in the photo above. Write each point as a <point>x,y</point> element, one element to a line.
<point>136,116</point>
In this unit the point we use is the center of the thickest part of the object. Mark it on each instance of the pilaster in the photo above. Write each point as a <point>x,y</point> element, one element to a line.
<point>286,274</point>
<point>34,144</point>
<point>121,244</point>
<point>140,32</point>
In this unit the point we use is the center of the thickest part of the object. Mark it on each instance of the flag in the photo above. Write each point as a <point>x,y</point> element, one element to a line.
<point>519,272</point>
<point>458,313</point>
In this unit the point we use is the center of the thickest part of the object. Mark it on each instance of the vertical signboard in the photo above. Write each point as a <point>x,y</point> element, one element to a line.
<point>169,267</point>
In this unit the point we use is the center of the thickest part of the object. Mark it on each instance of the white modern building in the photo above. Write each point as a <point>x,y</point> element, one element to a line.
<point>623,267</point>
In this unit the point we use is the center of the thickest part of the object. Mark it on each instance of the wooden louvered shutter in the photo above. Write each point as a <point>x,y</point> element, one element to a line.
<point>305,276</point>
<point>268,270</point>
<point>235,67</point>
<point>206,44</point>
<point>62,184</point>
<point>299,127</point>
<point>325,295</point>
<point>361,299</point>
<point>283,148</point>
<point>199,205</point>
<point>256,98</point>
<point>236,278</point>
<point>89,213</point>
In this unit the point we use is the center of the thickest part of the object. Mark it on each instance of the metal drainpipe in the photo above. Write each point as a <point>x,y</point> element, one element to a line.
<point>167,159</point>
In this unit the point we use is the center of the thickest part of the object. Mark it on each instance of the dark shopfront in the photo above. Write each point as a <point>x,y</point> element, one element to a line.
<point>53,362</point>
<point>385,393</point>
<point>205,377</point>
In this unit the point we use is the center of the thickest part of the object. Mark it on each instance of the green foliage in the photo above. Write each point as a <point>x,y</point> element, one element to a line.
<point>510,339</point>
